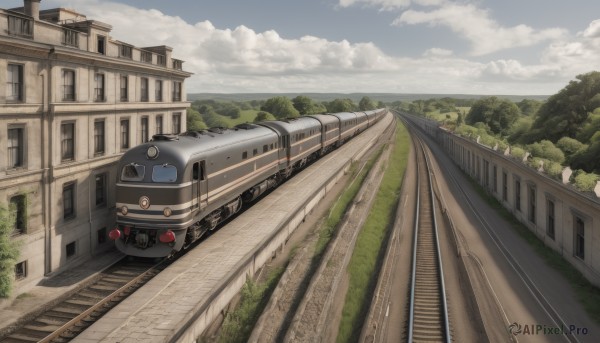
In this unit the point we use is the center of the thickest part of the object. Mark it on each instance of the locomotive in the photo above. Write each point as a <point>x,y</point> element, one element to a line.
<point>175,188</point>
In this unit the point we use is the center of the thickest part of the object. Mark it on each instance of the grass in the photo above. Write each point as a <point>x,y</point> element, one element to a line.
<point>367,254</point>
<point>239,323</point>
<point>587,294</point>
<point>342,204</point>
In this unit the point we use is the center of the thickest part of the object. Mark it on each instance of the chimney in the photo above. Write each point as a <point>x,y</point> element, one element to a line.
<point>32,8</point>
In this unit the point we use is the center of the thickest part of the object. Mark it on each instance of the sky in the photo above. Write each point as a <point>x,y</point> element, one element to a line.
<point>500,47</point>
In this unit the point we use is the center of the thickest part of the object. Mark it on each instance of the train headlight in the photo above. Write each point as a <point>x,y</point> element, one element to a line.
<point>144,202</point>
<point>152,152</point>
<point>167,212</point>
<point>124,210</point>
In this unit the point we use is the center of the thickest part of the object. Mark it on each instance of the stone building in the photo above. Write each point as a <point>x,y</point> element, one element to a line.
<point>72,100</point>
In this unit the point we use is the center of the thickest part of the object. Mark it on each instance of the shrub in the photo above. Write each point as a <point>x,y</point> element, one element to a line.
<point>517,152</point>
<point>553,169</point>
<point>586,182</point>
<point>9,252</point>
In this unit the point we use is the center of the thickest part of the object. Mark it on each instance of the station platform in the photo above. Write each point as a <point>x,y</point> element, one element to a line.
<point>180,302</point>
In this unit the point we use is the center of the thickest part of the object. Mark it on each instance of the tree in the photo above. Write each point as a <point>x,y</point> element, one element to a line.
<point>9,252</point>
<point>529,107</point>
<point>366,104</point>
<point>498,114</point>
<point>570,146</point>
<point>280,107</point>
<point>303,104</point>
<point>194,120</point>
<point>341,105</point>
<point>564,113</point>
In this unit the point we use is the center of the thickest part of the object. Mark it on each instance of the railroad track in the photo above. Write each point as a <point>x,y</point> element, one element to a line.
<point>65,320</point>
<point>428,312</point>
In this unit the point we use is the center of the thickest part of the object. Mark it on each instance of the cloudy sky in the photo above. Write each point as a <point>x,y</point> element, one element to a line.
<point>521,47</point>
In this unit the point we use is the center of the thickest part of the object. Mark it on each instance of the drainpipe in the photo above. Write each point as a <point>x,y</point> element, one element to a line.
<point>47,138</point>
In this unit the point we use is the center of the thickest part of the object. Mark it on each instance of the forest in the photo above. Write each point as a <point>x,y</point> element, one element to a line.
<point>560,130</point>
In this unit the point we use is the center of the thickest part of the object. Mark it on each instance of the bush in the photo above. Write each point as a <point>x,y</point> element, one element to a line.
<point>546,149</point>
<point>517,152</point>
<point>554,169</point>
<point>586,182</point>
<point>9,252</point>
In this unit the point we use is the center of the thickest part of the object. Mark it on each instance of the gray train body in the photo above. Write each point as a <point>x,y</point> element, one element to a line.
<point>175,188</point>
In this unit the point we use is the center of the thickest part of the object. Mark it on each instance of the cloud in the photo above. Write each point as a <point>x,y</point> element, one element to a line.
<point>388,5</point>
<point>243,60</point>
<point>437,52</point>
<point>474,24</point>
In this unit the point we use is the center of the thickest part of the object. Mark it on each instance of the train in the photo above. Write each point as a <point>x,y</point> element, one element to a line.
<point>174,189</point>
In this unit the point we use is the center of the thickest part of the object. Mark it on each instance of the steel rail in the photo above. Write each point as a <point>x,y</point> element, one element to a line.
<point>442,289</point>
<point>56,334</point>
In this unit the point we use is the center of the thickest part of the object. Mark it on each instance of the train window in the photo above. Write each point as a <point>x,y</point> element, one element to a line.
<point>196,171</point>
<point>265,148</point>
<point>244,155</point>
<point>133,172</point>
<point>254,152</point>
<point>272,146</point>
<point>164,173</point>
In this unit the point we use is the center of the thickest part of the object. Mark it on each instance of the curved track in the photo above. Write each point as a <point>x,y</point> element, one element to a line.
<point>428,316</point>
<point>65,320</point>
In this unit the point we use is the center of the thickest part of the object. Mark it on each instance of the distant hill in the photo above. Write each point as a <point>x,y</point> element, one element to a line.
<point>355,97</point>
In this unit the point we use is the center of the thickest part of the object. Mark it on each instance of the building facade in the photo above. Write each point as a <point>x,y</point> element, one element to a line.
<point>72,101</point>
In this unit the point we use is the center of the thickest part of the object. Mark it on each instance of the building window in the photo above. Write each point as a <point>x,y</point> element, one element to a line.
<point>70,37</point>
<point>99,137</point>
<point>486,173</point>
<point>176,123</point>
<point>68,81</point>
<point>18,26</point>
<point>67,142</point>
<point>579,237</point>
<point>69,201</point>
<point>99,88</point>
<point>102,236</point>
<point>518,195</point>
<point>18,207</point>
<point>144,129</point>
<point>161,60</point>
<point>146,57</point>
<point>21,270</point>
<point>550,221</point>
<point>158,91</point>
<point>176,91</point>
<point>177,64</point>
<point>125,51</point>
<point>70,249</point>
<point>159,124</point>
<point>100,190</point>
<point>15,148</point>
<point>101,44</point>
<point>495,179</point>
<point>144,89</point>
<point>14,82</point>
<point>504,186</point>
<point>124,86</point>
<point>532,203</point>
<point>125,134</point>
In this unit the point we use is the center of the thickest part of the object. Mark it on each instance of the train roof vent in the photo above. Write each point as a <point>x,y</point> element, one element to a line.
<point>164,137</point>
<point>217,129</point>
<point>246,126</point>
<point>195,134</point>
